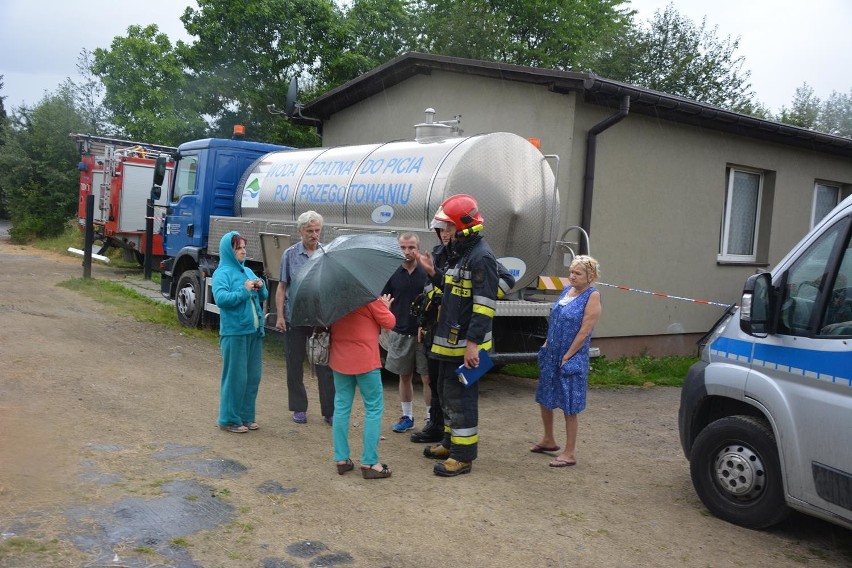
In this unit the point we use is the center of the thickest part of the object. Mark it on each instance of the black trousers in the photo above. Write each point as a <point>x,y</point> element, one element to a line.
<point>461,412</point>
<point>436,414</point>
<point>295,351</point>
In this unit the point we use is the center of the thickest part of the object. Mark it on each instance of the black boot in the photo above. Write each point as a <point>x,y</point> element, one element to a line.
<point>430,433</point>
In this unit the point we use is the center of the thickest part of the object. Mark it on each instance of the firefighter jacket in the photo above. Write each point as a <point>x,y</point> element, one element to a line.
<point>469,299</point>
<point>430,301</point>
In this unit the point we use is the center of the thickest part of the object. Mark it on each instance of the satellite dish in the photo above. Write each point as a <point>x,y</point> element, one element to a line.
<point>292,93</point>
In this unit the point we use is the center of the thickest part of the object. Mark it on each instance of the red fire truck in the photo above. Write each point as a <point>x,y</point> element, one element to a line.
<point>119,174</point>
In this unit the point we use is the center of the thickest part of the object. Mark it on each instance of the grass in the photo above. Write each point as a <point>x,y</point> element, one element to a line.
<point>128,302</point>
<point>629,371</point>
<point>638,371</point>
<point>19,545</point>
<point>73,237</point>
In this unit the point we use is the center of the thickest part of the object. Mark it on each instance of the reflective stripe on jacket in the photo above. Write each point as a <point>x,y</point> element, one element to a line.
<point>469,300</point>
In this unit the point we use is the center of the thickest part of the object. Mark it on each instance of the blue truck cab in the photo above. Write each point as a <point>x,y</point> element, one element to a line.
<point>765,416</point>
<point>208,175</point>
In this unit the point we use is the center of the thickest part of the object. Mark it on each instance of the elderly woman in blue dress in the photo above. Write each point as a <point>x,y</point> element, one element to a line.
<point>563,360</point>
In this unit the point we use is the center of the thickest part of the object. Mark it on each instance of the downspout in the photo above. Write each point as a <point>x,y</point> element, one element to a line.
<point>591,157</point>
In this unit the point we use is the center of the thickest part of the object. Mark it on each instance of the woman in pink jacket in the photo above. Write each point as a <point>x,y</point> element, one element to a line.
<point>354,360</point>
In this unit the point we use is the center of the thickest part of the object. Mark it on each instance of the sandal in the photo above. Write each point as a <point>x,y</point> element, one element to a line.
<point>235,428</point>
<point>345,466</point>
<point>252,425</point>
<point>367,472</point>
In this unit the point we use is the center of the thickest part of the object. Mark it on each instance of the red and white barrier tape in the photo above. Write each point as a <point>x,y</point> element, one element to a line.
<point>558,283</point>
<point>661,295</point>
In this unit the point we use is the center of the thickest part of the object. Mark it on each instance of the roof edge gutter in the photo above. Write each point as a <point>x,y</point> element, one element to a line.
<point>591,158</point>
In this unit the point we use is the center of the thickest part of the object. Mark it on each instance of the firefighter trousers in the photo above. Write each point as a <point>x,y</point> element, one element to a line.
<point>436,412</point>
<point>461,412</point>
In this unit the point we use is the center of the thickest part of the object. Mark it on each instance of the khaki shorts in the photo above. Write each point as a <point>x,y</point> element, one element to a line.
<point>406,355</point>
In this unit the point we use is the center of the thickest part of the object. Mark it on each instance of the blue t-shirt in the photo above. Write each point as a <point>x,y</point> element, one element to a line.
<point>292,262</point>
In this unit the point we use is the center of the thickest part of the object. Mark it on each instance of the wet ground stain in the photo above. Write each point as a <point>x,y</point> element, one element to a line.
<point>214,468</point>
<point>313,550</point>
<point>92,474</point>
<point>271,487</point>
<point>172,451</point>
<point>144,532</point>
<point>150,524</point>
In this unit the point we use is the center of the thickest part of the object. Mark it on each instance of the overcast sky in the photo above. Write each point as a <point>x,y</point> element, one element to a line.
<point>785,42</point>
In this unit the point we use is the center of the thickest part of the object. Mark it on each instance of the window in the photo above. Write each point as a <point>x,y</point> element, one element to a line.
<point>185,177</point>
<point>742,216</point>
<point>806,282</point>
<point>826,197</point>
<point>837,319</point>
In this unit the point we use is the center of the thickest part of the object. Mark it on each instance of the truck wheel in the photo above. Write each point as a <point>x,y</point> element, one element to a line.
<point>188,299</point>
<point>736,472</point>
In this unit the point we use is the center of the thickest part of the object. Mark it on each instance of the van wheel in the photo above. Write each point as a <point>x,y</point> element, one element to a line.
<point>188,299</point>
<point>736,472</point>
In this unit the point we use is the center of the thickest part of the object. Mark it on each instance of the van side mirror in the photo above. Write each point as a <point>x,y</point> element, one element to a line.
<point>756,305</point>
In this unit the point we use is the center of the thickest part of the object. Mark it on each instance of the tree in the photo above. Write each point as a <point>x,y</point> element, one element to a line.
<point>88,96</point>
<point>4,212</point>
<point>673,55</point>
<point>558,34</point>
<point>37,166</point>
<point>371,33</point>
<point>247,52</point>
<point>804,110</point>
<point>149,94</point>
<point>836,114</point>
<point>832,116</point>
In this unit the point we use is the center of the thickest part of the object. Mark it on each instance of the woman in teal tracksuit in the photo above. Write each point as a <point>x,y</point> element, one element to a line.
<point>238,293</point>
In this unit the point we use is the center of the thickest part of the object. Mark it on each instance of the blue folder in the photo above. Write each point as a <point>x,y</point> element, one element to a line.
<point>469,376</point>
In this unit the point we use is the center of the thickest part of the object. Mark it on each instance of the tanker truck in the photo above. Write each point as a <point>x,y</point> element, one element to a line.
<point>391,187</point>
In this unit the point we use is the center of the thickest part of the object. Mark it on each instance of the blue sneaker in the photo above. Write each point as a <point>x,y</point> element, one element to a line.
<point>405,423</point>
<point>299,417</point>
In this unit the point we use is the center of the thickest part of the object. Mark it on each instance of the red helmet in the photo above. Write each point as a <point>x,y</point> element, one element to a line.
<point>462,211</point>
<point>440,220</point>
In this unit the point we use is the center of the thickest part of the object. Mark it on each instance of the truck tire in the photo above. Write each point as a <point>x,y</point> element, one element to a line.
<point>188,299</point>
<point>737,474</point>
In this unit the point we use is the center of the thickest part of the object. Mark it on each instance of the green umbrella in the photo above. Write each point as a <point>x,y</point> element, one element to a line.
<point>343,276</point>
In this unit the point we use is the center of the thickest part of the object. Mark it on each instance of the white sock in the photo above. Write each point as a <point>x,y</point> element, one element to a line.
<point>428,413</point>
<point>407,408</point>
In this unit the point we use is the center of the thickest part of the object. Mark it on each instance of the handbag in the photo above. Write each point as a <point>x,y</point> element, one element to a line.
<point>318,346</point>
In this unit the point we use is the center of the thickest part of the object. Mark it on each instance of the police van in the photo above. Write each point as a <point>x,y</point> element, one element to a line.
<point>765,416</point>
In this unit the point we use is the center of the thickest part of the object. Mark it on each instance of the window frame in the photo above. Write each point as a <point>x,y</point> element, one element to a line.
<point>724,255</point>
<point>838,198</point>
<point>183,169</point>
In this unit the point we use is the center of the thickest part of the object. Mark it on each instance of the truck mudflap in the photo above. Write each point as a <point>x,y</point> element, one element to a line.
<point>167,278</point>
<point>693,392</point>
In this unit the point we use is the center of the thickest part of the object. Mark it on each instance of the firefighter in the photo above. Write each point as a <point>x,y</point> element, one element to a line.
<point>469,299</point>
<point>427,318</point>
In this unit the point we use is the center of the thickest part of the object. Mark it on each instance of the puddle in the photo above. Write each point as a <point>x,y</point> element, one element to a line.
<point>271,487</point>
<point>216,468</point>
<point>151,525</point>
<point>105,447</point>
<point>310,549</point>
<point>99,477</point>
<point>306,548</point>
<point>171,451</point>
